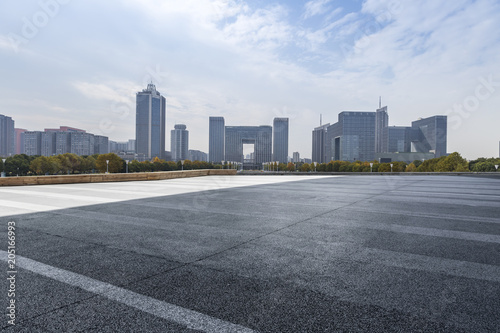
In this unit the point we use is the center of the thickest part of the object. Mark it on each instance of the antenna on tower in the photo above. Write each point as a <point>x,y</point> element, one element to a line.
<point>320,120</point>
<point>380,102</point>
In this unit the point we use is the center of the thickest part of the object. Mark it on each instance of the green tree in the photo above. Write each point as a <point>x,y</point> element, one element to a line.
<point>384,167</point>
<point>87,164</point>
<point>115,163</point>
<point>305,167</point>
<point>411,168</point>
<point>290,167</point>
<point>484,167</point>
<point>452,163</point>
<point>18,164</point>
<point>345,166</point>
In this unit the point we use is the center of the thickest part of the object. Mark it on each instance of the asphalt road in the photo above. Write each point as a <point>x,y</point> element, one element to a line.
<point>255,253</point>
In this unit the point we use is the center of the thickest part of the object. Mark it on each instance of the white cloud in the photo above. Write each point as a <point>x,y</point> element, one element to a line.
<point>315,7</point>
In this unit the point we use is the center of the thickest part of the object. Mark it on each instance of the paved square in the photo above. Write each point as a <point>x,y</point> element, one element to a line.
<point>256,253</point>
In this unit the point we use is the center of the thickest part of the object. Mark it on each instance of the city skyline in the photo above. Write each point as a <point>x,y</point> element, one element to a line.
<point>254,60</point>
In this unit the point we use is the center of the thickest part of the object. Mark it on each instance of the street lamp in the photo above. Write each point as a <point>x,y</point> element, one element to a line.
<point>371,167</point>
<point>182,165</point>
<point>107,166</point>
<point>126,161</point>
<point>3,169</point>
<point>391,166</point>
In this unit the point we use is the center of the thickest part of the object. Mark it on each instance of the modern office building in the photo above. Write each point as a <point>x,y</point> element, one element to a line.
<point>179,142</point>
<point>319,144</point>
<point>7,136</point>
<point>280,140</point>
<point>216,139</point>
<point>396,139</point>
<point>258,136</point>
<point>381,123</point>
<point>150,123</point>
<point>430,135</point>
<point>352,138</point>
<point>197,155</point>
<point>296,157</point>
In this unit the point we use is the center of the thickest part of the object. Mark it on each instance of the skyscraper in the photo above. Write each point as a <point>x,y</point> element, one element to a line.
<point>260,136</point>
<point>19,140</point>
<point>319,144</point>
<point>7,136</point>
<point>280,140</point>
<point>150,123</point>
<point>179,142</point>
<point>32,142</point>
<point>216,139</point>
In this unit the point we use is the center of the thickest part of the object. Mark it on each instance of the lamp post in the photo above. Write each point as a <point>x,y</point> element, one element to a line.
<point>126,161</point>
<point>371,167</point>
<point>391,166</point>
<point>107,166</point>
<point>182,165</point>
<point>3,167</point>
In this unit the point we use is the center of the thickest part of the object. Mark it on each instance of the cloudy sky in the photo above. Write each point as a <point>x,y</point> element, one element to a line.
<point>79,63</point>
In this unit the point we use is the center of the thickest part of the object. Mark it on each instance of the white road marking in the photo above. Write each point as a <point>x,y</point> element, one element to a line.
<point>174,313</point>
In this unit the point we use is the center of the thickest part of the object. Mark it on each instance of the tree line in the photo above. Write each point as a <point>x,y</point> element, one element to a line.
<point>24,165</point>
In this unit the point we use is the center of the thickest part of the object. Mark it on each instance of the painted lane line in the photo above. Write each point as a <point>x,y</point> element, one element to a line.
<point>173,313</point>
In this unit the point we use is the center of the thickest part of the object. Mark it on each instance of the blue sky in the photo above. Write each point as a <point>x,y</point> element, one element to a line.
<point>79,63</point>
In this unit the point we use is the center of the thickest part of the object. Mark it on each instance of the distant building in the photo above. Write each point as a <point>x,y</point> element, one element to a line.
<point>82,143</point>
<point>179,142</point>
<point>296,157</point>
<point>259,136</point>
<point>131,145</point>
<point>32,142</point>
<point>196,155</point>
<point>19,145</point>
<point>430,135</point>
<point>48,144</point>
<point>118,147</point>
<point>7,136</point>
<point>150,123</point>
<point>101,144</point>
<point>319,144</point>
<point>216,139</point>
<point>280,140</point>
<point>352,138</point>
<point>381,123</point>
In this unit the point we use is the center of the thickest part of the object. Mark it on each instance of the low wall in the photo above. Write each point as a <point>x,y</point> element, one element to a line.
<point>110,177</point>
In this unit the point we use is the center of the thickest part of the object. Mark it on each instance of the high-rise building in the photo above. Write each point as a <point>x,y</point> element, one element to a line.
<point>82,143</point>
<point>63,142</point>
<point>216,139</point>
<point>7,136</point>
<point>259,136</point>
<point>48,144</point>
<point>381,122</point>
<point>352,137</point>
<point>396,139</point>
<point>319,144</point>
<point>280,140</point>
<point>430,135</point>
<point>150,122</point>
<point>179,142</point>
<point>32,142</point>
<point>101,144</point>
<point>19,149</point>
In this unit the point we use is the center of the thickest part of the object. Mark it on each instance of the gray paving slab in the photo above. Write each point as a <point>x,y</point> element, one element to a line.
<point>310,254</point>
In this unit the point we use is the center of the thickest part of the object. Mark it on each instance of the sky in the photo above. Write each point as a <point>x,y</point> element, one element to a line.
<point>80,63</point>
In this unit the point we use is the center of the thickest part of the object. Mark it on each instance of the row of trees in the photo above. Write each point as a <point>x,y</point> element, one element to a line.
<point>451,163</point>
<point>73,164</point>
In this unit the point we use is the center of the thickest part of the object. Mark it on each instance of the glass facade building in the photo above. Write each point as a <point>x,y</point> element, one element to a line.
<point>280,140</point>
<point>7,136</point>
<point>216,139</point>
<point>430,135</point>
<point>381,123</point>
<point>179,143</point>
<point>259,136</point>
<point>150,123</point>
<point>319,144</point>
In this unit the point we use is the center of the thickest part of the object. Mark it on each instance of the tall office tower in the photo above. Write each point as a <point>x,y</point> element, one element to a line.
<point>381,122</point>
<point>32,142</point>
<point>19,145</point>
<point>101,144</point>
<point>260,136</point>
<point>352,137</point>
<point>216,139</point>
<point>150,123</point>
<point>319,144</point>
<point>396,139</point>
<point>280,140</point>
<point>430,135</point>
<point>7,136</point>
<point>179,142</point>
<point>131,145</point>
